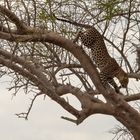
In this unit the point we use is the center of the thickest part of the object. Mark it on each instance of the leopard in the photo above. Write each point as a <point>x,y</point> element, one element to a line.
<point>107,65</point>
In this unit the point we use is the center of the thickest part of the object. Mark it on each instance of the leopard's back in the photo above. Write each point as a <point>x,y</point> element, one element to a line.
<point>92,39</point>
<point>100,56</point>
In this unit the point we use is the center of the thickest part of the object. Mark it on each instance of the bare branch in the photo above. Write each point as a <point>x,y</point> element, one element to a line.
<point>134,75</point>
<point>26,115</point>
<point>133,97</point>
<point>20,25</point>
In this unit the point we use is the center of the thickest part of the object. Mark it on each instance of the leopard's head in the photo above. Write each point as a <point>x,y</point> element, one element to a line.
<point>123,79</point>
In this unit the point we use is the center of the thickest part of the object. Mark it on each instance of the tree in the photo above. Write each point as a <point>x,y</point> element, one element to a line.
<point>37,51</point>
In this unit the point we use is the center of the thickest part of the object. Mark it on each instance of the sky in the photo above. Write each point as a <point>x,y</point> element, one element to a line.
<point>45,121</point>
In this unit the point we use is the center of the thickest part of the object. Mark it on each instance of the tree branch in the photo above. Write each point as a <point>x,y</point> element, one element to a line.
<point>20,25</point>
<point>37,77</point>
<point>133,97</point>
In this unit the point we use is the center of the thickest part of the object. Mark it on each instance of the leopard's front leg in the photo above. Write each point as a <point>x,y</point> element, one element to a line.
<point>108,80</point>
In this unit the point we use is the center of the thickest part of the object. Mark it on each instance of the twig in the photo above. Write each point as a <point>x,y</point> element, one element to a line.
<point>69,119</point>
<point>25,115</point>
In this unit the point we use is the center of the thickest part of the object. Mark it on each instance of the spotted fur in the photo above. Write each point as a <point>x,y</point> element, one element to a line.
<point>108,66</point>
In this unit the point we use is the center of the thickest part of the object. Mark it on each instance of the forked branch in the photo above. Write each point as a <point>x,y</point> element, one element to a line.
<point>12,17</point>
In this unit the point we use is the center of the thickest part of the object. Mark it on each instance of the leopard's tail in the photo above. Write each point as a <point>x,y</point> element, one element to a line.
<point>73,22</point>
